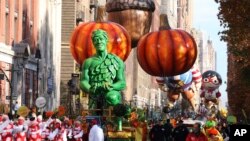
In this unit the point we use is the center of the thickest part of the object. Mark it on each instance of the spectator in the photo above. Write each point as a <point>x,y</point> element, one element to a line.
<point>168,130</point>
<point>180,132</point>
<point>157,133</point>
<point>95,133</point>
<point>196,135</point>
<point>16,107</point>
<point>223,131</point>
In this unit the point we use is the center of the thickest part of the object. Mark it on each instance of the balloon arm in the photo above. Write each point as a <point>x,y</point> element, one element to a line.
<point>84,84</point>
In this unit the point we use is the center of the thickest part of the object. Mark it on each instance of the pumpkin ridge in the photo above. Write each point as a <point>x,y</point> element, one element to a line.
<point>128,40</point>
<point>143,53</point>
<point>72,47</point>
<point>88,45</point>
<point>173,50</point>
<point>182,33</point>
<point>194,46</point>
<point>148,49</point>
<point>157,53</point>
<point>72,43</point>
<point>166,44</point>
<point>76,38</point>
<point>114,44</point>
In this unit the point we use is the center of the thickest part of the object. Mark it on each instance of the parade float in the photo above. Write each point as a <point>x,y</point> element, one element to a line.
<point>101,47</point>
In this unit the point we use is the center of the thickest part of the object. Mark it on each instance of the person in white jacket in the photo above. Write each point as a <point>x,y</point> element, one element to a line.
<point>96,132</point>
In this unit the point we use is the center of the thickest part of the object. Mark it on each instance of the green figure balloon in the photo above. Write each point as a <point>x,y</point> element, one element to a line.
<point>103,73</point>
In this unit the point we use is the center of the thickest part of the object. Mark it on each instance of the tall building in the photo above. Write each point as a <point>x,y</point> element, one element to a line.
<point>73,14</point>
<point>206,58</point>
<point>169,7</point>
<point>185,14</point>
<point>18,45</point>
<point>29,37</point>
<point>49,42</point>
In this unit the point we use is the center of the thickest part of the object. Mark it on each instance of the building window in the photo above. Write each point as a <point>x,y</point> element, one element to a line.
<point>31,10</point>
<point>24,24</point>
<point>15,29</point>
<point>6,28</point>
<point>7,3</point>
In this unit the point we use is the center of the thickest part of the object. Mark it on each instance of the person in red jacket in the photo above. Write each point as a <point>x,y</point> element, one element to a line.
<point>196,135</point>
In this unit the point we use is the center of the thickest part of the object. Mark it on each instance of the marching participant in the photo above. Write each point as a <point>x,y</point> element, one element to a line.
<point>40,121</point>
<point>66,125</point>
<point>34,130</point>
<point>20,130</point>
<point>77,131</point>
<point>55,128</point>
<point>48,125</point>
<point>6,129</point>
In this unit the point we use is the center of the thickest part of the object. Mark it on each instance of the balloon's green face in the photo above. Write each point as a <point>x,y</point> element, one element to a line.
<point>100,40</point>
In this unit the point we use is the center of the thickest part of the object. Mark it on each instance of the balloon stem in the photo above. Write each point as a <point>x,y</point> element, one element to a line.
<point>164,23</point>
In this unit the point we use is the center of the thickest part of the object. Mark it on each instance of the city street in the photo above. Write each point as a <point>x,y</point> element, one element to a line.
<point>124,70</point>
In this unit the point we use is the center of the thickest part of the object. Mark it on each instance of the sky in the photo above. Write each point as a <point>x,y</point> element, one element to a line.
<point>205,19</point>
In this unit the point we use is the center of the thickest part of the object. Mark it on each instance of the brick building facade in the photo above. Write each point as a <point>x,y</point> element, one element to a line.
<point>18,33</point>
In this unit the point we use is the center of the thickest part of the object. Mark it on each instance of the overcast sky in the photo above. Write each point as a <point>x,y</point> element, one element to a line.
<point>205,19</point>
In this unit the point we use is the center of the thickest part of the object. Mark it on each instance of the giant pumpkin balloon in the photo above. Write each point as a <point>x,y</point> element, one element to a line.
<point>167,52</point>
<point>81,45</point>
<point>134,15</point>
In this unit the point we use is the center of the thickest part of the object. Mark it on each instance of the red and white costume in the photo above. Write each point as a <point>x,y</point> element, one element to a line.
<point>61,136</point>
<point>20,130</point>
<point>67,128</point>
<point>45,129</point>
<point>77,132</point>
<point>56,133</point>
<point>6,129</point>
<point>34,131</point>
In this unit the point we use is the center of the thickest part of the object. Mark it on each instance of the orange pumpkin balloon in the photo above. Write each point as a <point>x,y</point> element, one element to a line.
<point>167,52</point>
<point>81,45</point>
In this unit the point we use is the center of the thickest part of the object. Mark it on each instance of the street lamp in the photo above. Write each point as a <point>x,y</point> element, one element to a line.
<point>38,57</point>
